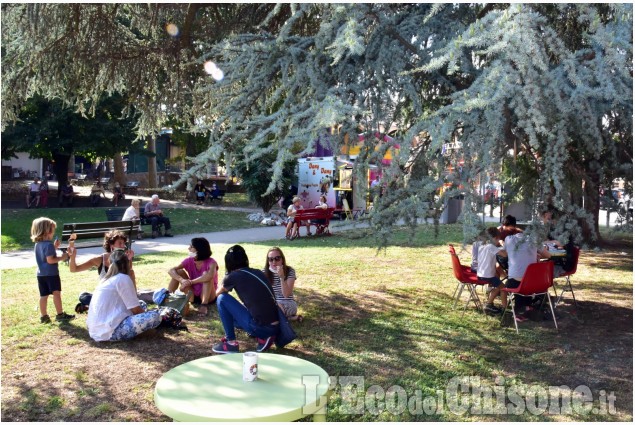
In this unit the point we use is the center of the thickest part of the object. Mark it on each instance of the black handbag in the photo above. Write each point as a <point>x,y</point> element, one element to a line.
<point>286,334</point>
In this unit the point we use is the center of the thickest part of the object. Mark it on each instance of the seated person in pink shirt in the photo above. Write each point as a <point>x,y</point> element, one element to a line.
<point>197,275</point>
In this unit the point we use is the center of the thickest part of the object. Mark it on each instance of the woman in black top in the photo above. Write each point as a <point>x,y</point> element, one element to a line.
<point>258,315</point>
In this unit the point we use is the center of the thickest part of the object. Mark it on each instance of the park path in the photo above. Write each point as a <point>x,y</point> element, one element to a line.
<point>25,258</point>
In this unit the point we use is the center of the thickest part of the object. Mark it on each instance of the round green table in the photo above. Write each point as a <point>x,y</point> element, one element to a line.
<point>212,389</point>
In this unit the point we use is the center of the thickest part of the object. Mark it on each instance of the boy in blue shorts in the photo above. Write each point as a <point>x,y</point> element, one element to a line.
<point>48,275</point>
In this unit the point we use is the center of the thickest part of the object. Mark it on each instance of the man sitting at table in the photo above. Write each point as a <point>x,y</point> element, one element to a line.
<point>154,215</point>
<point>521,252</point>
<point>259,314</point>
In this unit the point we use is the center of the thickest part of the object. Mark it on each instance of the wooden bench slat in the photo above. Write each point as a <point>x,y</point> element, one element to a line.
<point>97,230</point>
<point>113,214</point>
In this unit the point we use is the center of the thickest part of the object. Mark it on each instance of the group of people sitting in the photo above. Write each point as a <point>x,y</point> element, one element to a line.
<point>293,228</point>
<point>505,252</point>
<point>152,213</point>
<point>97,192</point>
<point>115,312</point>
<point>38,193</point>
<point>203,193</point>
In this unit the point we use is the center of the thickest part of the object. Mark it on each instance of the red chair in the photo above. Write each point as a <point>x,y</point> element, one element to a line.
<point>567,286</point>
<point>537,280</point>
<point>466,269</point>
<point>465,278</point>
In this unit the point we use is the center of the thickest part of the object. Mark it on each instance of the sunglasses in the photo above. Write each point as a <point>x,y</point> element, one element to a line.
<point>276,258</point>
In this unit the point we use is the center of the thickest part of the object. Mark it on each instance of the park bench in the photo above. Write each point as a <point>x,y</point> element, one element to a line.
<point>105,181</point>
<point>114,214</point>
<point>93,233</point>
<point>217,194</point>
<point>79,179</point>
<point>131,187</point>
<point>318,217</point>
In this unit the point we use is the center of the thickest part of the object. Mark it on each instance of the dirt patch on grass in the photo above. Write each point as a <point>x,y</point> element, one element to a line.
<point>71,378</point>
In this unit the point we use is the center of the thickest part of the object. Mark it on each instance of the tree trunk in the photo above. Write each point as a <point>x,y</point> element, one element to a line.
<point>61,168</point>
<point>152,162</point>
<point>71,164</point>
<point>591,205</point>
<point>120,176</point>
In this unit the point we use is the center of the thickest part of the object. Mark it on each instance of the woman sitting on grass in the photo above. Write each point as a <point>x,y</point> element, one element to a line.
<point>115,313</point>
<point>197,274</point>
<point>115,239</point>
<point>282,278</point>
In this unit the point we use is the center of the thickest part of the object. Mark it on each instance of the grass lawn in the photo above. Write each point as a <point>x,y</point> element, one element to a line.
<point>382,317</point>
<point>16,223</point>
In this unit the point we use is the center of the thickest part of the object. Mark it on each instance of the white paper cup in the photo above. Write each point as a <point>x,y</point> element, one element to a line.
<point>250,366</point>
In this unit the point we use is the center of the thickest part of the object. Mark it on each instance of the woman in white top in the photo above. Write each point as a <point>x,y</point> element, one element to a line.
<point>132,213</point>
<point>293,230</point>
<point>282,278</point>
<point>115,313</point>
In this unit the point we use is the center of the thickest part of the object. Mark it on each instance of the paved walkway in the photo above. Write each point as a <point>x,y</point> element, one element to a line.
<point>22,259</point>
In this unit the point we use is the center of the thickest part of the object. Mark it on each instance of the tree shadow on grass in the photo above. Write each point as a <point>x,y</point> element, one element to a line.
<point>375,336</point>
<point>609,260</point>
<point>389,336</point>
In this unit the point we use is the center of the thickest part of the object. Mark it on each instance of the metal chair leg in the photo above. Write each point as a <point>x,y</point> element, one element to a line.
<point>566,288</point>
<point>473,296</point>
<point>555,290</point>
<point>553,313</point>
<point>455,291</point>
<point>572,293</point>
<point>458,296</point>
<point>511,304</point>
<point>476,299</point>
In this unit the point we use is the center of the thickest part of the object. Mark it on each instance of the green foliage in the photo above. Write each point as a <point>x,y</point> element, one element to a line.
<point>256,179</point>
<point>550,81</point>
<point>47,127</point>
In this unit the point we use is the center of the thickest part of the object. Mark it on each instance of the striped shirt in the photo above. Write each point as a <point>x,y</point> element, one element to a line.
<point>277,285</point>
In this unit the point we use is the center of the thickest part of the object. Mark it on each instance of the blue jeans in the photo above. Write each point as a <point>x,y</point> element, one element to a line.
<point>235,315</point>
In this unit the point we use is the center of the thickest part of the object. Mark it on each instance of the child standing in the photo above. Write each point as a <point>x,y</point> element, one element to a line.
<point>48,275</point>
